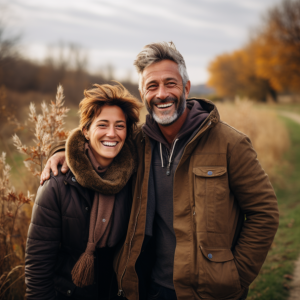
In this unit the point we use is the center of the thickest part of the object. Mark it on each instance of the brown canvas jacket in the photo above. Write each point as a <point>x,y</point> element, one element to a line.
<point>217,182</point>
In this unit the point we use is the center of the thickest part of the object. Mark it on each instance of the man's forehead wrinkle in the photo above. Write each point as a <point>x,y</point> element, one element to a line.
<point>164,79</point>
<point>151,81</point>
<point>171,78</point>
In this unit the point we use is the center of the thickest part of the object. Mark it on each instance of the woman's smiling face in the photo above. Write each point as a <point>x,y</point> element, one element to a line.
<point>107,134</point>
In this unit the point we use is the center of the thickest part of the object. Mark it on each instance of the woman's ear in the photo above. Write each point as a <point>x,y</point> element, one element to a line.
<point>85,133</point>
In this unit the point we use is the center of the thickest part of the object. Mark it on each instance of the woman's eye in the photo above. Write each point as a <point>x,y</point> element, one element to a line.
<point>102,125</point>
<point>120,126</point>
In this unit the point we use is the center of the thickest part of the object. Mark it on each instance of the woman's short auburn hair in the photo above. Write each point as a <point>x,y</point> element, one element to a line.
<point>90,107</point>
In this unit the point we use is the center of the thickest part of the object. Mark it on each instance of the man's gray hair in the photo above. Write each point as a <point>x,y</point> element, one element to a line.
<point>157,52</point>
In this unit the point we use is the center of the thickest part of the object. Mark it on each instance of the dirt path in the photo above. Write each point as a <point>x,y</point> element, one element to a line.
<point>292,116</point>
<point>295,291</point>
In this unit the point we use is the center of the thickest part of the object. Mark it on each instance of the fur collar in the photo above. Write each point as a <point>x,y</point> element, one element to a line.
<point>117,174</point>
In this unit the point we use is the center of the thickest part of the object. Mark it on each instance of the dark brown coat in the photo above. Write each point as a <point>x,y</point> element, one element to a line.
<point>59,229</point>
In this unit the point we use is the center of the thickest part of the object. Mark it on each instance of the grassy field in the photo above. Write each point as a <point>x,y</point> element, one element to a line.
<point>291,107</point>
<point>274,279</point>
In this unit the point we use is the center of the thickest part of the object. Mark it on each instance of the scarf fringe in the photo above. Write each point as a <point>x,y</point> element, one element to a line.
<point>83,271</point>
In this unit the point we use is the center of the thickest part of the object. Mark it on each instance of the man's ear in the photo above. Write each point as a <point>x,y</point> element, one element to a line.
<point>187,89</point>
<point>141,94</point>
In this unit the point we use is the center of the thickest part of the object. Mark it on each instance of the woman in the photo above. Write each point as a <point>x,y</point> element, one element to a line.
<point>79,218</point>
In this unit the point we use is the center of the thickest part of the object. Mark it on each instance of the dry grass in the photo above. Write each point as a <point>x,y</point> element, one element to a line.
<point>268,134</point>
<point>14,219</point>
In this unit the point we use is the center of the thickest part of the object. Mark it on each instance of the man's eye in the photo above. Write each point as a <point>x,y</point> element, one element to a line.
<point>171,83</point>
<point>151,87</point>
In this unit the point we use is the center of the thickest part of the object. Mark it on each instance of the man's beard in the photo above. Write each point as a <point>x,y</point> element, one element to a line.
<point>167,120</point>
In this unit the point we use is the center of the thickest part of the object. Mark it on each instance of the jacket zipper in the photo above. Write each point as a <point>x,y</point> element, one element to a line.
<point>193,208</point>
<point>121,292</point>
<point>170,158</point>
<point>207,126</point>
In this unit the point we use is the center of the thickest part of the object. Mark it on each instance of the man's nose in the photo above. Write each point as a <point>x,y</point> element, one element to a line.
<point>162,92</point>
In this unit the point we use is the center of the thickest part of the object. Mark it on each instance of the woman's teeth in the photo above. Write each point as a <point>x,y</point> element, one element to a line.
<point>164,105</point>
<point>109,144</point>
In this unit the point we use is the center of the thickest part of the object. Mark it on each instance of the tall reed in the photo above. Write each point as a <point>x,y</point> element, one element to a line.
<point>11,262</point>
<point>47,129</point>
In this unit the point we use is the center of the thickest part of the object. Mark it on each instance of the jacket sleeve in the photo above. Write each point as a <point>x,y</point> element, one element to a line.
<point>257,200</point>
<point>43,241</point>
<point>56,147</point>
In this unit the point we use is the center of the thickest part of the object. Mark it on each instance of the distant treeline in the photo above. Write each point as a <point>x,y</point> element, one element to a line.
<point>21,75</point>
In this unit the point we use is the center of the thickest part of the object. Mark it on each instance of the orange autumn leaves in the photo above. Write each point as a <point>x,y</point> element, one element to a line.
<point>278,47</point>
<point>268,64</point>
<point>235,74</point>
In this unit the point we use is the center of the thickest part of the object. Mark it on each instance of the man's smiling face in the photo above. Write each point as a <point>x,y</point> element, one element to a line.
<point>163,92</point>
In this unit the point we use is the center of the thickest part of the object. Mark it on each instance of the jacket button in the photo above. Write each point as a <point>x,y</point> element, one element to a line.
<point>209,256</point>
<point>209,173</point>
<point>103,220</point>
<point>69,293</point>
<point>73,179</point>
<point>87,208</point>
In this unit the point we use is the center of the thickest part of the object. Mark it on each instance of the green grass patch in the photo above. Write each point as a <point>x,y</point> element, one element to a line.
<point>273,281</point>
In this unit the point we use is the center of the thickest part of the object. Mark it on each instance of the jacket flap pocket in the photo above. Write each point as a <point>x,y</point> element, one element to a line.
<point>209,171</point>
<point>217,255</point>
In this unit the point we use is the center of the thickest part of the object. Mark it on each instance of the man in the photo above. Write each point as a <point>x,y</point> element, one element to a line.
<point>204,213</point>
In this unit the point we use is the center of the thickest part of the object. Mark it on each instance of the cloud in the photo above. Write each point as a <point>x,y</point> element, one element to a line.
<point>115,30</point>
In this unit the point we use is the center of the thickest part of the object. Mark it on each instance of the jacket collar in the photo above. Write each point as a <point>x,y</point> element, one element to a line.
<point>117,174</point>
<point>71,180</point>
<point>210,107</point>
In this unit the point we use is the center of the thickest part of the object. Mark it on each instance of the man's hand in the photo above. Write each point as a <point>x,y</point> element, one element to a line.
<point>58,158</point>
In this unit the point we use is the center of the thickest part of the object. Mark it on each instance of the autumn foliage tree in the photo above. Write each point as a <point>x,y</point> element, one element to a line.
<point>235,74</point>
<point>268,64</point>
<point>278,47</point>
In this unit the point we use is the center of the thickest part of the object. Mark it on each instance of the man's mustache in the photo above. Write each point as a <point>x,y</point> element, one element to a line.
<point>155,101</point>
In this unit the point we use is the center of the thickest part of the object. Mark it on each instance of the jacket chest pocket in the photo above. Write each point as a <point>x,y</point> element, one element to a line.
<point>210,185</point>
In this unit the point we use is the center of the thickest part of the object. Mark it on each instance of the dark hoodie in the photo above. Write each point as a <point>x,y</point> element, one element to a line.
<point>165,159</point>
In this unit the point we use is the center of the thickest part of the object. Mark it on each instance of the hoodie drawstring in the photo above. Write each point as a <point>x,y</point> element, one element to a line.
<point>161,156</point>
<point>170,158</point>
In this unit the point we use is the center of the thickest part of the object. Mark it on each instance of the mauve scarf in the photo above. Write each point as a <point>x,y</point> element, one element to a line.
<point>100,226</point>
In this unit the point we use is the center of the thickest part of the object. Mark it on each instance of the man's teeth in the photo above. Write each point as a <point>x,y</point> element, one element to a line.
<point>164,105</point>
<point>110,144</point>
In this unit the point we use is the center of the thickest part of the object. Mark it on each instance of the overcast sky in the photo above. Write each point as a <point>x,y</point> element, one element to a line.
<point>114,31</point>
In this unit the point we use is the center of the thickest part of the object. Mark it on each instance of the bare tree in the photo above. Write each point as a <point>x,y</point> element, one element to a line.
<point>67,56</point>
<point>8,41</point>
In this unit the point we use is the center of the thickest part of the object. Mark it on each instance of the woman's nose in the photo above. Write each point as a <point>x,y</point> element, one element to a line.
<point>111,131</point>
